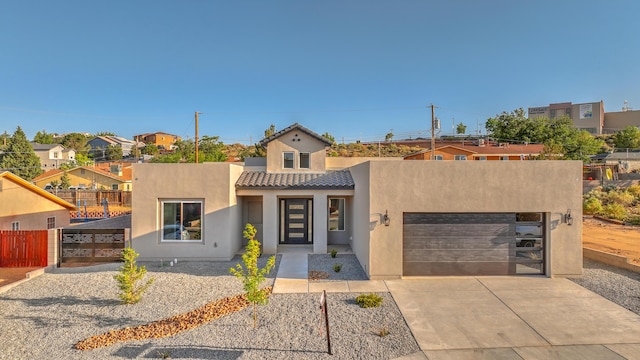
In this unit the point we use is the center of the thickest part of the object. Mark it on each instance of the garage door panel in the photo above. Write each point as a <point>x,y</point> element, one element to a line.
<point>458,244</point>
<point>457,268</point>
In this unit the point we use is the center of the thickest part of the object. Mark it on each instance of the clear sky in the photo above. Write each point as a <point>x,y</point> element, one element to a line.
<point>353,68</point>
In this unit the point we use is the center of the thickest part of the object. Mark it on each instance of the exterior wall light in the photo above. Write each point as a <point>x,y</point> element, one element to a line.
<point>385,218</point>
<point>568,219</point>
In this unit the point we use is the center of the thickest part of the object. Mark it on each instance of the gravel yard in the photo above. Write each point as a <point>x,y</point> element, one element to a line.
<point>44,317</point>
<point>618,285</point>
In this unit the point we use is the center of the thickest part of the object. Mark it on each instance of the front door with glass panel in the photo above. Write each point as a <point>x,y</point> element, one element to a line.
<point>296,221</point>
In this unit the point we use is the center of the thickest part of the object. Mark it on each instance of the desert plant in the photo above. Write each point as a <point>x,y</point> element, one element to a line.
<point>620,197</point>
<point>129,277</point>
<point>337,267</point>
<point>592,206</point>
<point>369,300</point>
<point>251,275</point>
<point>614,211</point>
<point>334,252</point>
<point>382,332</point>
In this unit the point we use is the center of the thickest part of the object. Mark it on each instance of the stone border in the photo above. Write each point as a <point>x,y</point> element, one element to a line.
<point>610,259</point>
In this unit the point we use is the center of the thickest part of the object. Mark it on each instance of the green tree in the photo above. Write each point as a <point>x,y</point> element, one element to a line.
<point>42,137</point>
<point>113,152</point>
<point>580,144</point>
<point>329,137</point>
<point>19,157</point>
<point>129,277</point>
<point>389,136</point>
<point>105,133</point>
<point>251,275</point>
<point>4,142</point>
<point>211,149</point>
<point>150,149</point>
<point>76,141</point>
<point>65,181</point>
<point>270,131</point>
<point>628,138</point>
<point>461,128</point>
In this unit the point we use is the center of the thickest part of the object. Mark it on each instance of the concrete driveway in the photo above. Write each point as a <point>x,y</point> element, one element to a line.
<point>514,318</point>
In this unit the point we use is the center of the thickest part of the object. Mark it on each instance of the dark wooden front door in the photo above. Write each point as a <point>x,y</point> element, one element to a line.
<point>296,221</point>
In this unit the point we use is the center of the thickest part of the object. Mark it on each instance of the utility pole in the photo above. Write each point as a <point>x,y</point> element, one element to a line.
<point>197,136</point>
<point>433,133</point>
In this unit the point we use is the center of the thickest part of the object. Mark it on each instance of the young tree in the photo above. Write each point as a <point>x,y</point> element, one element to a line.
<point>251,275</point>
<point>150,149</point>
<point>461,128</point>
<point>270,131</point>
<point>65,182</point>
<point>129,277</point>
<point>329,137</point>
<point>389,136</point>
<point>19,157</point>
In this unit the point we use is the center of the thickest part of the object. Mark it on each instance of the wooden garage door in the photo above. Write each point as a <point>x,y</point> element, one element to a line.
<point>458,244</point>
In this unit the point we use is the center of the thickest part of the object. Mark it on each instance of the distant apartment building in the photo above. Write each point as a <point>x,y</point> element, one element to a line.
<point>585,116</point>
<point>160,139</point>
<point>53,155</point>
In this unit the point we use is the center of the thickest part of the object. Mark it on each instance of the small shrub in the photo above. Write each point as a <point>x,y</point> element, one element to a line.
<point>334,252</point>
<point>383,332</point>
<point>634,190</point>
<point>369,300</point>
<point>592,206</point>
<point>634,220</point>
<point>337,267</point>
<point>614,211</point>
<point>129,276</point>
<point>620,197</point>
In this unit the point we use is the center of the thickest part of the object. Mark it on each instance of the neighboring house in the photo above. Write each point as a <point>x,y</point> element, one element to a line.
<point>109,177</point>
<point>25,206</point>
<point>400,218</point>
<point>53,155</point>
<point>160,139</point>
<point>480,151</point>
<point>623,161</point>
<point>99,145</point>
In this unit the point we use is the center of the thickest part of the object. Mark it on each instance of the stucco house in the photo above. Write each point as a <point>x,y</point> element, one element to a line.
<point>400,218</point>
<point>113,177</point>
<point>25,206</point>
<point>53,155</point>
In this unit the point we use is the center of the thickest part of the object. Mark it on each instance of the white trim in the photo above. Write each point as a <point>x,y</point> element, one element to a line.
<point>183,231</point>
<point>293,160</point>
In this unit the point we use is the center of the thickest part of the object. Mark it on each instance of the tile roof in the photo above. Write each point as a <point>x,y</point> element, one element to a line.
<point>340,179</point>
<point>295,126</point>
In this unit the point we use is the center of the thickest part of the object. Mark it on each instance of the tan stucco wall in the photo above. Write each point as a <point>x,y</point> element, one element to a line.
<point>31,210</point>
<point>337,163</point>
<point>306,144</point>
<point>616,121</point>
<point>469,187</point>
<point>213,183</point>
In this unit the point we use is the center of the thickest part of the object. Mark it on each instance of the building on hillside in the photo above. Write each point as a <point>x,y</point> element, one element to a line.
<point>28,207</point>
<point>586,116</point>
<point>107,177</point>
<point>53,155</point>
<point>400,218</point>
<point>619,120</point>
<point>480,150</point>
<point>160,139</point>
<point>100,144</point>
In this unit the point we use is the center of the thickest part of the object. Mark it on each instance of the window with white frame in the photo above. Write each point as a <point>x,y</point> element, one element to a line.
<point>51,222</point>
<point>114,186</point>
<point>15,225</point>
<point>181,220</point>
<point>460,157</point>
<point>305,160</point>
<point>288,159</point>
<point>336,214</point>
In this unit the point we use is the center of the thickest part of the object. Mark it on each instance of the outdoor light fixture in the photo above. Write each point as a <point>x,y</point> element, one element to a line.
<point>385,218</point>
<point>567,217</point>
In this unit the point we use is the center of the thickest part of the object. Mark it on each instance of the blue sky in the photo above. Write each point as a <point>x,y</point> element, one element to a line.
<point>353,68</point>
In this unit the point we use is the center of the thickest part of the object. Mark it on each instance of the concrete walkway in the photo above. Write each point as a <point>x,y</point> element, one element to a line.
<point>492,317</point>
<point>293,272</point>
<point>514,318</point>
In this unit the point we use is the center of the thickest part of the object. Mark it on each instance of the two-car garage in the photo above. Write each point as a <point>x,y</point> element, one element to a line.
<point>443,244</point>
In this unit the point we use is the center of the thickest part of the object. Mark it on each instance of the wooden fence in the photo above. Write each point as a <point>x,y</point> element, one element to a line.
<point>23,248</point>
<point>95,197</point>
<point>91,245</point>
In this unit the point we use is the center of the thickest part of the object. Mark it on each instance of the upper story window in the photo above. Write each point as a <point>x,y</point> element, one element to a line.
<point>460,157</point>
<point>55,154</point>
<point>305,160</point>
<point>288,159</point>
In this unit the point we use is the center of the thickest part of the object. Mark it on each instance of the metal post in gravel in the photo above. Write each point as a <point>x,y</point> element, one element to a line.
<point>325,312</point>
